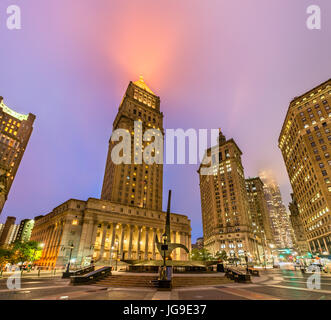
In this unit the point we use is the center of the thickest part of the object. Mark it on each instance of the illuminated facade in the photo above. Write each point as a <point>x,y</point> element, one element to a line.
<point>122,225</point>
<point>15,132</point>
<point>104,231</point>
<point>280,221</point>
<point>135,184</point>
<point>8,232</point>
<point>305,141</point>
<point>24,230</point>
<point>300,240</point>
<point>260,218</point>
<point>224,204</point>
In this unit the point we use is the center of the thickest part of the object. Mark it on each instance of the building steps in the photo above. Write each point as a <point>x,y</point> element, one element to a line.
<point>146,281</point>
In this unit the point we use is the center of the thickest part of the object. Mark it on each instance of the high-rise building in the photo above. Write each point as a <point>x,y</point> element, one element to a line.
<point>9,232</point>
<point>224,203</point>
<point>125,222</point>
<point>137,184</point>
<point>280,220</point>
<point>260,217</point>
<point>300,240</point>
<point>305,141</point>
<point>24,230</point>
<point>15,132</point>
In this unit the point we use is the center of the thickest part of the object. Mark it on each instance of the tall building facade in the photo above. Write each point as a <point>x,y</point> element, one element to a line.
<point>305,141</point>
<point>260,218</point>
<point>15,132</point>
<point>224,203</point>
<point>300,240</point>
<point>124,223</point>
<point>24,230</point>
<point>9,232</point>
<point>136,184</point>
<point>280,220</point>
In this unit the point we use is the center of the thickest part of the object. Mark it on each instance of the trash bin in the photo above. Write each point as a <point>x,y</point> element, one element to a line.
<point>220,267</point>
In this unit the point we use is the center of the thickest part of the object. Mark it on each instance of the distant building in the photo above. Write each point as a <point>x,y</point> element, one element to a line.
<point>9,232</point>
<point>280,220</point>
<point>259,213</point>
<point>300,239</point>
<point>305,141</point>
<point>224,203</point>
<point>198,244</point>
<point>15,132</point>
<point>24,230</point>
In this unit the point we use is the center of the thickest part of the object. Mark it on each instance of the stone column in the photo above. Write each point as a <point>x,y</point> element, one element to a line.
<point>146,243</point>
<point>130,242</point>
<point>103,240</point>
<point>113,235</point>
<point>138,242</point>
<point>122,240</point>
<point>326,247</point>
<point>154,245</point>
<point>84,245</point>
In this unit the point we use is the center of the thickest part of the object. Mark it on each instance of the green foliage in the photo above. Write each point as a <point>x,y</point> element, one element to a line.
<point>221,255</point>
<point>28,251</point>
<point>201,255</point>
<point>5,257</point>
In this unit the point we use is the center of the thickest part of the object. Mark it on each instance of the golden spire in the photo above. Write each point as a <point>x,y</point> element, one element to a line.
<point>141,84</point>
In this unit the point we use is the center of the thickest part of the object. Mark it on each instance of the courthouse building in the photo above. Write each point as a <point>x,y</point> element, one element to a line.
<point>123,224</point>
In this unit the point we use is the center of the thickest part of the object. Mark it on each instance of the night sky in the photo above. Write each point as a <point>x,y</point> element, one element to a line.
<point>214,63</point>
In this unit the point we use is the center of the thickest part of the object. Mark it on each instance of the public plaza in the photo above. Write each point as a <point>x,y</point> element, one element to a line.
<point>271,285</point>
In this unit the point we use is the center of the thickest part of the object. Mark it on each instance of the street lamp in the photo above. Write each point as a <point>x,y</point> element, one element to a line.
<point>68,266</point>
<point>246,259</point>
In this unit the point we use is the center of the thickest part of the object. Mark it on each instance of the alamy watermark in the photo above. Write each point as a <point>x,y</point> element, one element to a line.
<point>314,20</point>
<point>14,281</point>
<point>314,281</point>
<point>14,19</point>
<point>137,147</point>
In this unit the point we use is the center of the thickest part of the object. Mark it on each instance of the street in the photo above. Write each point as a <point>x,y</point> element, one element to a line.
<point>271,285</point>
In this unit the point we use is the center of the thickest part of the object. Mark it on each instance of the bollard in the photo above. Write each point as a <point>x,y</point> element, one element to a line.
<point>39,273</point>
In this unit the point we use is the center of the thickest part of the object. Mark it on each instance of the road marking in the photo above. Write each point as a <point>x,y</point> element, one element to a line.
<point>247,294</point>
<point>296,288</point>
<point>162,295</point>
<point>33,288</point>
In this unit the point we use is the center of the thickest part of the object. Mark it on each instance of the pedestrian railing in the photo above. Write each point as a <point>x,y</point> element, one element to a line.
<point>91,276</point>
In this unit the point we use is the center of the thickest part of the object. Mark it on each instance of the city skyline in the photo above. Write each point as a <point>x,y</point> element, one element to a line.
<point>75,107</point>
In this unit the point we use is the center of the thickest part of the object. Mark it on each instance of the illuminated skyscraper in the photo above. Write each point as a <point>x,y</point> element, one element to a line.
<point>305,141</point>
<point>260,217</point>
<point>280,221</point>
<point>134,184</point>
<point>15,132</point>
<point>224,203</point>
<point>300,240</point>
<point>125,222</point>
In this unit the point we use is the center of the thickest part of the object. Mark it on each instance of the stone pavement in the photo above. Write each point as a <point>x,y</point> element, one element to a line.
<point>279,285</point>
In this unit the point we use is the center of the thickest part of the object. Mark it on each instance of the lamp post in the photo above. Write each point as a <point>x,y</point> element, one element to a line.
<point>246,259</point>
<point>68,266</point>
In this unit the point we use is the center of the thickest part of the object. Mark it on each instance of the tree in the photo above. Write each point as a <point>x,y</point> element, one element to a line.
<point>5,257</point>
<point>201,255</point>
<point>26,251</point>
<point>222,255</point>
